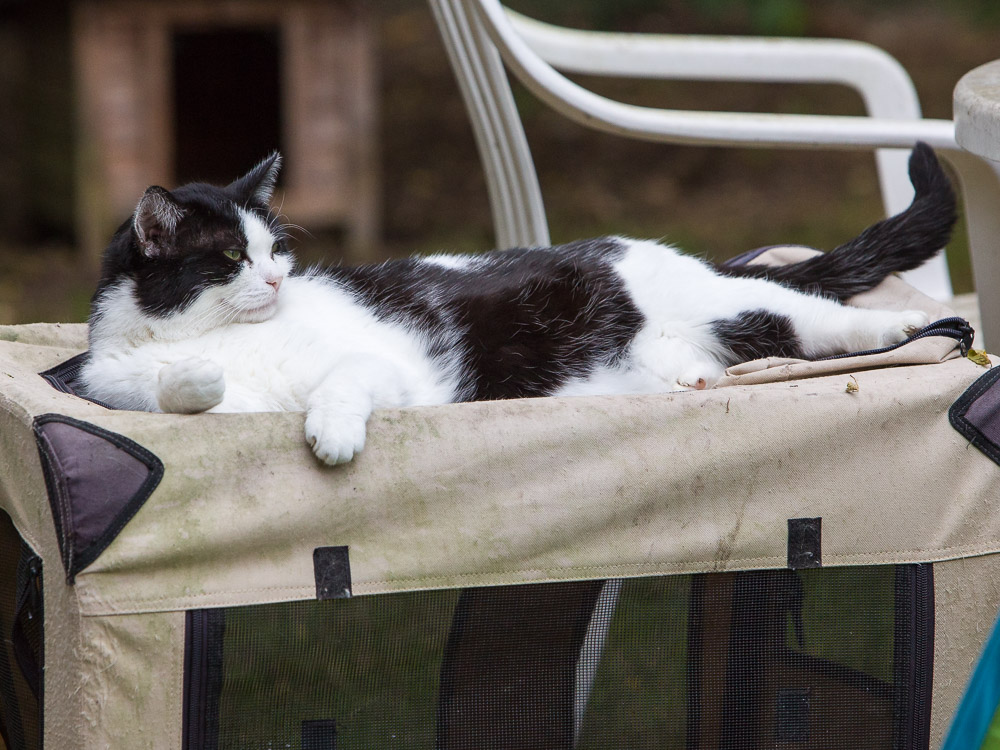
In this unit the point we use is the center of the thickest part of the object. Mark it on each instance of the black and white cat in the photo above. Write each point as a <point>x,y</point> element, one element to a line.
<point>199,309</point>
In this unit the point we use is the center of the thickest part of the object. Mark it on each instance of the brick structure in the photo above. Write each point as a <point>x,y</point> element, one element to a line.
<point>173,90</point>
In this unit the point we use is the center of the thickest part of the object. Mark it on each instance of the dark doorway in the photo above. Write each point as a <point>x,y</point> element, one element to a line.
<point>227,102</point>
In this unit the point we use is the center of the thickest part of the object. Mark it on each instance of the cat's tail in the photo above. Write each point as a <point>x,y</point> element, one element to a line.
<point>899,243</point>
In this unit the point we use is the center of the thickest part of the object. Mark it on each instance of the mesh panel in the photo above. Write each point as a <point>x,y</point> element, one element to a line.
<point>791,659</point>
<point>810,660</point>
<point>20,641</point>
<point>366,667</point>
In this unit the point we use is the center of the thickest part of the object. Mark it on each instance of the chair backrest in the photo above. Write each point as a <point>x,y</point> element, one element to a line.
<point>481,35</point>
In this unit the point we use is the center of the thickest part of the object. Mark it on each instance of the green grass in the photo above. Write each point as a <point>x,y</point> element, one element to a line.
<point>849,616</point>
<point>992,739</point>
<point>369,663</point>
<point>639,698</point>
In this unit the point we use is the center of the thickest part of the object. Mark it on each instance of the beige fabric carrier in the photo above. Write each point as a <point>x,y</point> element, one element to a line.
<point>804,556</point>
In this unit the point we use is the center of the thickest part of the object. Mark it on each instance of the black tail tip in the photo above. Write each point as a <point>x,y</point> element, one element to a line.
<point>926,172</point>
<point>934,202</point>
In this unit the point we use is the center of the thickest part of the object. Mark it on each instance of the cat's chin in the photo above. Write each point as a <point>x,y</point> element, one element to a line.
<point>258,314</point>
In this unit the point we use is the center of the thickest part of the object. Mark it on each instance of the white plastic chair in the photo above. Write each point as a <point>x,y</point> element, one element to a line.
<point>478,33</point>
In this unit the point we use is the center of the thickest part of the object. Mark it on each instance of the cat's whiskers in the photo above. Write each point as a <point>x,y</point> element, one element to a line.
<point>208,315</point>
<point>218,309</point>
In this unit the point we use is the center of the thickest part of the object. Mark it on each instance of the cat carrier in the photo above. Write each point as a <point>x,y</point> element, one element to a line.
<point>802,557</point>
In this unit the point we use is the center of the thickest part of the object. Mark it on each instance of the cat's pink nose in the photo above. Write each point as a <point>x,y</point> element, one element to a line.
<point>275,283</point>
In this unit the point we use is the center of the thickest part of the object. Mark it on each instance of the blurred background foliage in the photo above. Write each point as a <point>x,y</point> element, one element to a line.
<point>765,17</point>
<point>711,201</point>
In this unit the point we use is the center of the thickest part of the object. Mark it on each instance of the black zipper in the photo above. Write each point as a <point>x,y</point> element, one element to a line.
<point>28,607</point>
<point>914,656</point>
<point>955,328</point>
<point>63,375</point>
<point>58,376</point>
<point>195,674</point>
<point>923,656</point>
<point>203,646</point>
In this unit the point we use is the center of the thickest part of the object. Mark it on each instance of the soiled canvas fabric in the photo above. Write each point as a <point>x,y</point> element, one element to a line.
<point>494,493</point>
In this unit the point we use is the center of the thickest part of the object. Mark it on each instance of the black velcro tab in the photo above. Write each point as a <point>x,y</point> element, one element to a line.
<point>805,548</point>
<point>332,567</point>
<point>320,734</point>
<point>791,715</point>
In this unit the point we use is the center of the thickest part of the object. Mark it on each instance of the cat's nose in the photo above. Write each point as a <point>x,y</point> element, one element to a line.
<point>276,282</point>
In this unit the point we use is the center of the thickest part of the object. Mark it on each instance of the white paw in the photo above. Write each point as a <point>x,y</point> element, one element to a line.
<point>900,325</point>
<point>335,438</point>
<point>190,386</point>
<point>700,378</point>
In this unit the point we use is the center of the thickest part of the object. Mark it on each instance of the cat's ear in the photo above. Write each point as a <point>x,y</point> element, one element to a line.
<point>155,222</point>
<point>257,185</point>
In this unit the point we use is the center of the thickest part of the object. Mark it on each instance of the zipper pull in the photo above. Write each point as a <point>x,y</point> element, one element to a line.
<point>34,595</point>
<point>967,332</point>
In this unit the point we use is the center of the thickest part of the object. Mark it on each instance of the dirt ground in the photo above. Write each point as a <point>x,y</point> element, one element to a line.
<point>711,201</point>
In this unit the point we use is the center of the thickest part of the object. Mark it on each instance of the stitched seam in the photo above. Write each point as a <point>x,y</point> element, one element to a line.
<point>711,566</point>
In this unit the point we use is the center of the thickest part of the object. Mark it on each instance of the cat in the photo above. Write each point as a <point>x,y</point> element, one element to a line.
<point>199,308</point>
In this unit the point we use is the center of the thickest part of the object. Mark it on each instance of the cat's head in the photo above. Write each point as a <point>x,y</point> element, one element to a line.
<point>196,258</point>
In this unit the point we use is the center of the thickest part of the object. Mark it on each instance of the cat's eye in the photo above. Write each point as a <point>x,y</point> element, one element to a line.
<point>274,248</point>
<point>233,253</point>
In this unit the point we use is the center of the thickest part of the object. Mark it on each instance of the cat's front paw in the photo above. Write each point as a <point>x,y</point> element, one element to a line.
<point>335,438</point>
<point>190,386</point>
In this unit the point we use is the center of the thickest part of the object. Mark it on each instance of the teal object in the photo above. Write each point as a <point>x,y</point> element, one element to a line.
<point>979,704</point>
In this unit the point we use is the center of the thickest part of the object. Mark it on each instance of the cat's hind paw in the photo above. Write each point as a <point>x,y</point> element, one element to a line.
<point>190,386</point>
<point>699,379</point>
<point>901,325</point>
<point>335,438</point>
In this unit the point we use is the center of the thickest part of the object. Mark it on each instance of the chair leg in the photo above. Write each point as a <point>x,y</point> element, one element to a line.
<point>980,182</point>
<point>510,668</point>
<point>515,197</point>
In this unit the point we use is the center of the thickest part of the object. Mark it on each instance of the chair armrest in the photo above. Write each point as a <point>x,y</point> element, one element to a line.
<point>698,128</point>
